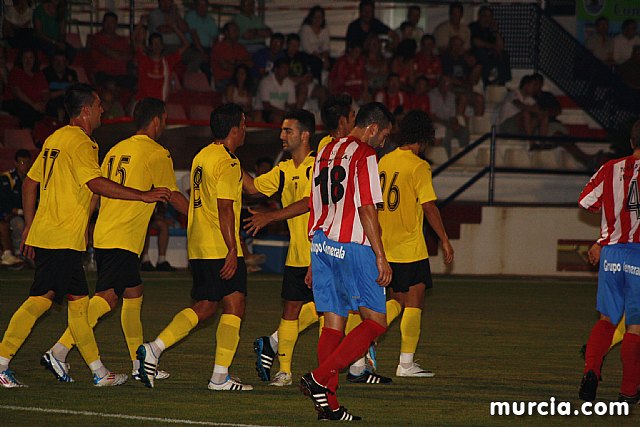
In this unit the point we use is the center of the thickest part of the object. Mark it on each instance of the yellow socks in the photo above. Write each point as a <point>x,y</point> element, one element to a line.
<point>287,337</point>
<point>308,316</point>
<point>227,338</point>
<point>81,331</point>
<point>353,321</point>
<point>98,307</point>
<point>393,310</point>
<point>619,332</point>
<point>410,329</point>
<point>320,324</point>
<point>179,327</point>
<point>21,324</point>
<point>131,324</point>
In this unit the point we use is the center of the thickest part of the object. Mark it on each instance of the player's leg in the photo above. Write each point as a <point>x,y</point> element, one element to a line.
<point>145,261</point>
<point>610,304</point>
<point>621,329</point>
<point>630,351</point>
<point>163,244</point>
<point>410,328</point>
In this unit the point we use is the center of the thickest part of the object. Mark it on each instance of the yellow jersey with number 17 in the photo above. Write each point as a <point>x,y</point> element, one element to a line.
<point>215,174</point>
<point>406,184</point>
<point>295,184</point>
<point>69,159</point>
<point>141,163</point>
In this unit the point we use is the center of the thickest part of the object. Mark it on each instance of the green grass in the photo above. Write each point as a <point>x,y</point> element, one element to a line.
<point>487,339</point>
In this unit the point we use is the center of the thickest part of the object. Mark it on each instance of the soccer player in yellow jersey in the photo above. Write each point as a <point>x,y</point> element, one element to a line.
<point>215,254</point>
<point>292,179</point>
<point>141,163</point>
<point>408,196</point>
<point>67,172</point>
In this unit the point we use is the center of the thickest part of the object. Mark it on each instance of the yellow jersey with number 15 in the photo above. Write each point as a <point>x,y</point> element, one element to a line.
<point>68,160</point>
<point>141,163</point>
<point>406,184</point>
<point>215,174</point>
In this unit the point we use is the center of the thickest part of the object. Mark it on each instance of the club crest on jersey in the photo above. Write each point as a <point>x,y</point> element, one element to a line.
<point>611,266</point>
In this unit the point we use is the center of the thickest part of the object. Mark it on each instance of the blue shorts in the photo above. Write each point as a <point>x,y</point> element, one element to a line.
<point>344,277</point>
<point>619,282</point>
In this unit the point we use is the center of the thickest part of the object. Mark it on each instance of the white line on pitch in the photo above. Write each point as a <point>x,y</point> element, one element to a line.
<point>122,416</point>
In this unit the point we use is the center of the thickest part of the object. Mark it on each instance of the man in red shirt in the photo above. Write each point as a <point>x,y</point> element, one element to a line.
<point>110,54</point>
<point>227,54</point>
<point>348,74</point>
<point>392,97</point>
<point>427,62</point>
<point>614,192</point>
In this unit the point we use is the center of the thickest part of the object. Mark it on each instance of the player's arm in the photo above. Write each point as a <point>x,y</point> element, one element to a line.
<point>179,202</point>
<point>247,184</point>
<point>369,219</point>
<point>29,195</point>
<point>227,227</point>
<point>105,187</point>
<point>432,213</point>
<point>259,220</point>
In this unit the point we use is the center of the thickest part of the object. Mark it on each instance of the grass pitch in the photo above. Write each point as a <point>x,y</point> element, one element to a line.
<point>487,339</point>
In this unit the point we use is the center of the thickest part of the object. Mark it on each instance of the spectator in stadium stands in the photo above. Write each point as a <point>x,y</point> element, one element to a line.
<point>488,47</point>
<point>549,104</point>
<point>8,259</point>
<point>314,40</point>
<point>453,27</point>
<point>252,29</point>
<point>298,70</point>
<point>112,107</point>
<point>276,93</point>
<point>227,54</point>
<point>161,223</point>
<point>11,197</point>
<point>110,54</point>
<point>50,24</point>
<point>519,113</point>
<point>366,24</point>
<point>465,73</point>
<point>376,65</point>
<point>629,71</point>
<point>28,92</point>
<point>600,43</point>
<point>348,74</point>
<point>240,90</point>
<point>166,20</point>
<point>419,98</point>
<point>203,31</point>
<point>17,28</point>
<point>155,69</point>
<point>264,59</point>
<point>624,42</point>
<point>392,97</point>
<point>59,77</point>
<point>428,64</point>
<point>411,25</point>
<point>444,113</point>
<point>404,63</point>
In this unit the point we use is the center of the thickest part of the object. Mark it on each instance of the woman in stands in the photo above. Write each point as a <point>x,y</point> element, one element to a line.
<point>240,89</point>
<point>314,39</point>
<point>28,91</point>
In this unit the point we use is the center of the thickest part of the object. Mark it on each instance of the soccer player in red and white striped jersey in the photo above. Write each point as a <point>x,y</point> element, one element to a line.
<point>348,264</point>
<point>614,191</point>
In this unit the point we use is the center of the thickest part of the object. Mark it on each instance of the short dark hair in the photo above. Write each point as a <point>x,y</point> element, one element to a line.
<point>76,97</point>
<point>485,8</point>
<point>279,62</point>
<point>374,113</point>
<point>627,22</point>
<point>537,77</point>
<point>455,5</point>
<point>525,81</point>
<point>227,26</point>
<point>305,119</point>
<point>223,119</point>
<point>109,15</point>
<point>155,35</point>
<point>635,134</point>
<point>277,36</point>
<point>405,25</point>
<point>364,3</point>
<point>428,37</point>
<point>335,107</point>
<point>22,154</point>
<point>415,126</point>
<point>146,110</point>
<point>292,36</point>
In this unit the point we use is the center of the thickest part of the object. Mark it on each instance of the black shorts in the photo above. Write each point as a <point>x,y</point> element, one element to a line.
<point>61,271</point>
<point>407,274</point>
<point>293,286</point>
<point>207,284</point>
<point>117,270</point>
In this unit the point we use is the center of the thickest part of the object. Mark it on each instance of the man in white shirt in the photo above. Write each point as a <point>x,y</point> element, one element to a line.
<point>276,93</point>
<point>452,27</point>
<point>624,42</point>
<point>519,113</point>
<point>443,113</point>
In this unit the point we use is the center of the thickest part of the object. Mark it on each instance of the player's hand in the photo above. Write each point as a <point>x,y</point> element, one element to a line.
<point>448,252</point>
<point>384,271</point>
<point>25,249</point>
<point>160,194</point>
<point>308,278</point>
<point>257,221</point>
<point>594,254</point>
<point>230,266</point>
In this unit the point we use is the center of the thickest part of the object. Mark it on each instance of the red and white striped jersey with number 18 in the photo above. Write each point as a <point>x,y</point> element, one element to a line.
<point>614,191</point>
<point>345,177</point>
